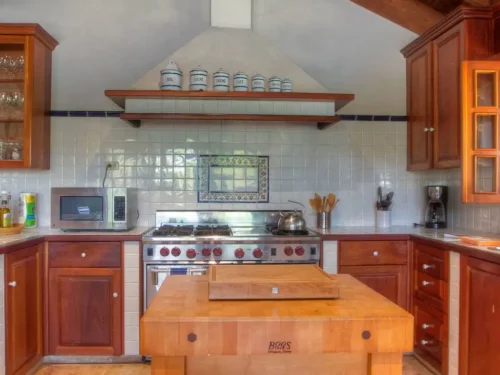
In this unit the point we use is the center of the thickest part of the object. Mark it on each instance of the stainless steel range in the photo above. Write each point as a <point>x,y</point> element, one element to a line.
<point>187,242</point>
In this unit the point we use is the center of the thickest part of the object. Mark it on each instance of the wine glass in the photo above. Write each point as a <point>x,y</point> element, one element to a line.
<point>17,105</point>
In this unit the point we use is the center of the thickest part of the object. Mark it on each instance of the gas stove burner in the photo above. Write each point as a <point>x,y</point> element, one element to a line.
<point>273,228</point>
<point>210,230</point>
<point>171,230</point>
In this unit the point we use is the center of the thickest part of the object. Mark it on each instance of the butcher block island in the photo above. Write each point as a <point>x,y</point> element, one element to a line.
<point>360,332</point>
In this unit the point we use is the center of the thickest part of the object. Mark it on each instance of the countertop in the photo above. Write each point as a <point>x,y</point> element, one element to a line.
<point>435,237</point>
<point>31,236</point>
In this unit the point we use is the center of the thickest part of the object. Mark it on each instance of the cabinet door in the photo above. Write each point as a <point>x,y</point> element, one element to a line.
<point>419,82</point>
<point>390,281</point>
<point>23,310</point>
<point>481,148</point>
<point>85,311</point>
<point>480,317</point>
<point>447,57</point>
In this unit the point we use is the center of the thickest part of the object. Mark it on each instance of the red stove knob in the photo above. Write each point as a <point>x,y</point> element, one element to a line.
<point>239,253</point>
<point>257,253</point>
<point>289,250</point>
<point>299,251</point>
<point>176,251</point>
<point>217,251</point>
<point>191,253</point>
<point>164,252</point>
<point>206,252</point>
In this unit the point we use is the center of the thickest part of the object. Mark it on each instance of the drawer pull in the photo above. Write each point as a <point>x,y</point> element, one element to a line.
<point>12,284</point>
<point>427,266</point>
<point>425,326</point>
<point>115,295</point>
<point>375,253</point>
<point>84,255</point>
<point>426,342</point>
<point>425,283</point>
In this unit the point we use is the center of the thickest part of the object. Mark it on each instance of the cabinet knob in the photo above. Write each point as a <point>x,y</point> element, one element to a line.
<point>425,326</point>
<point>425,283</point>
<point>375,253</point>
<point>115,295</point>
<point>12,284</point>
<point>426,342</point>
<point>426,129</point>
<point>432,129</point>
<point>426,266</point>
<point>84,255</point>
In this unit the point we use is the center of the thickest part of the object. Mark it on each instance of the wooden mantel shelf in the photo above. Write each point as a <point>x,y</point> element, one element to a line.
<point>322,121</point>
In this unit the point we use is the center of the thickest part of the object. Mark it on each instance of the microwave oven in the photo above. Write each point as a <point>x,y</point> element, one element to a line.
<point>103,209</point>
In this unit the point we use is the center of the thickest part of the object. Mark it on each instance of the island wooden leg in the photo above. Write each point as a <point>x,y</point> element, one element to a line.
<point>168,365</point>
<point>385,364</point>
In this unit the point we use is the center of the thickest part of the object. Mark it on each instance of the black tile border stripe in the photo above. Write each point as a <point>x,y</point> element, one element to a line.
<point>375,118</point>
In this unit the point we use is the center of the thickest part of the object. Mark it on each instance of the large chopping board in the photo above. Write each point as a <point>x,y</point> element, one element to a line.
<point>270,282</point>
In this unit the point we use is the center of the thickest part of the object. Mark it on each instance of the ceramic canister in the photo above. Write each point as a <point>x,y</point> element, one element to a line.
<point>221,80</point>
<point>240,82</point>
<point>198,79</point>
<point>275,84</point>
<point>171,77</point>
<point>286,85</point>
<point>258,83</point>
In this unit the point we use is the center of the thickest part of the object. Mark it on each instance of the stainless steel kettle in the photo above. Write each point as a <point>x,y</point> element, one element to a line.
<point>292,221</point>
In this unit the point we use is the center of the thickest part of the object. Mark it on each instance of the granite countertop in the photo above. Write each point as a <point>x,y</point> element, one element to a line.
<point>46,232</point>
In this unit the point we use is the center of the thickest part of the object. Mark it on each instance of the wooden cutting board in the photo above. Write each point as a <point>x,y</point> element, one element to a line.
<point>480,241</point>
<point>270,282</point>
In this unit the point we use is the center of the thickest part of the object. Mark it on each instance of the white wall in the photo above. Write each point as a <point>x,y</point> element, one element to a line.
<point>110,44</point>
<point>350,159</point>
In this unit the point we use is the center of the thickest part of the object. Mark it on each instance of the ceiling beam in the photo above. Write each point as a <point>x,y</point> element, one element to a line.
<point>410,14</point>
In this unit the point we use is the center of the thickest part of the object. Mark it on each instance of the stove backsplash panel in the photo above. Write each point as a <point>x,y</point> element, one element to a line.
<point>350,159</point>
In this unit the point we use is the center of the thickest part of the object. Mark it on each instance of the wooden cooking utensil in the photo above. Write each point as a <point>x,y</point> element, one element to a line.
<point>318,201</point>
<point>312,203</point>
<point>331,201</point>
<point>323,205</point>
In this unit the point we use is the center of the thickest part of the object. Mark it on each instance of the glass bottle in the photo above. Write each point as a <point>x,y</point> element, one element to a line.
<point>6,213</point>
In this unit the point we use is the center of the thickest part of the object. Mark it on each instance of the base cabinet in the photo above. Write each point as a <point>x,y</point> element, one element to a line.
<point>23,310</point>
<point>480,317</point>
<point>390,281</point>
<point>85,314</point>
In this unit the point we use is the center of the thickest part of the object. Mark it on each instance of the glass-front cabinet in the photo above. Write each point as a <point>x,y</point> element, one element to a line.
<point>480,145</point>
<point>25,91</point>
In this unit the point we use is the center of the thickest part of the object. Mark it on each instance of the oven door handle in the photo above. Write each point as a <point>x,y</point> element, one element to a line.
<point>154,274</point>
<point>197,271</point>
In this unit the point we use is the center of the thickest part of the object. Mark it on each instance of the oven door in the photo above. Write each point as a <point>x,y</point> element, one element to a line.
<point>155,275</point>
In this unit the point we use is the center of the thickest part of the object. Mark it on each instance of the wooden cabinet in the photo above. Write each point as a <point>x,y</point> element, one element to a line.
<point>480,126</point>
<point>23,310</point>
<point>430,304</point>
<point>85,299</point>
<point>382,265</point>
<point>390,281</point>
<point>434,86</point>
<point>25,94</point>
<point>479,317</point>
<point>419,86</point>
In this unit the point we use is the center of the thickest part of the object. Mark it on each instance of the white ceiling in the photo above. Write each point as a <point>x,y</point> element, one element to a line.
<point>112,43</point>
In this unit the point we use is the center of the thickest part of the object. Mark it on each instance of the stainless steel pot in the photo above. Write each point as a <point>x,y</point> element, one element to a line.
<point>292,221</point>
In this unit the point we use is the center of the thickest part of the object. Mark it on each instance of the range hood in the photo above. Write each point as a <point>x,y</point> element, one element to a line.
<point>231,44</point>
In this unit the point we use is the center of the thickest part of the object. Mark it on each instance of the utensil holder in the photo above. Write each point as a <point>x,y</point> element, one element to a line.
<point>383,219</point>
<point>323,220</point>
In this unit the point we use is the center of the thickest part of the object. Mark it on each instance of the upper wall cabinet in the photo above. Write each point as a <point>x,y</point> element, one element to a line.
<point>434,86</point>
<point>25,91</point>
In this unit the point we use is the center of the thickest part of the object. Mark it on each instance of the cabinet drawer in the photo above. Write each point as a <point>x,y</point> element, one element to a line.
<point>430,265</point>
<point>429,345</point>
<point>429,320</point>
<point>432,291</point>
<point>367,253</point>
<point>84,254</point>
<point>436,253</point>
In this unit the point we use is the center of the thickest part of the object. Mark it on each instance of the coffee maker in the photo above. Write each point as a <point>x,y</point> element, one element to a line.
<point>436,211</point>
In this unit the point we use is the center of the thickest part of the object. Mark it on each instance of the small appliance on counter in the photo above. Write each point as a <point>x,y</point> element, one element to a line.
<point>436,211</point>
<point>94,209</point>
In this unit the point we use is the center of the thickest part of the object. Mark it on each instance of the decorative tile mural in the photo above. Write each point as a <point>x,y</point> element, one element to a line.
<point>233,179</point>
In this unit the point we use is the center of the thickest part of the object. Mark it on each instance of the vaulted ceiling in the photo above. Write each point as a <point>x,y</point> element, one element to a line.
<point>417,15</point>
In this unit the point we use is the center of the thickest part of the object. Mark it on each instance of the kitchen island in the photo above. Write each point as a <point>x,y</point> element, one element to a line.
<point>359,333</point>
